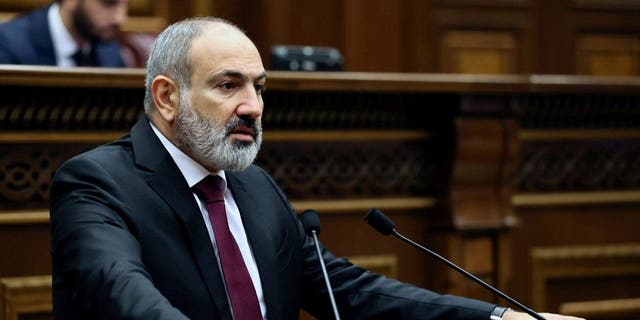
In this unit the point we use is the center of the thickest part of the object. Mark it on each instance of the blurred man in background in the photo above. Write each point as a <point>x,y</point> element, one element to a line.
<point>66,33</point>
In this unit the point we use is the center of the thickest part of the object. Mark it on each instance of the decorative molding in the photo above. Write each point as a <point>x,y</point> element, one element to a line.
<point>603,309</point>
<point>575,198</point>
<point>21,297</point>
<point>362,205</point>
<point>603,5</point>
<point>24,217</point>
<point>359,135</point>
<point>589,261</point>
<point>58,137</point>
<point>556,135</point>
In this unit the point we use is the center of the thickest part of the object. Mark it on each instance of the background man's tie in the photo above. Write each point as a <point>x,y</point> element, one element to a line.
<point>242,294</point>
<point>84,59</point>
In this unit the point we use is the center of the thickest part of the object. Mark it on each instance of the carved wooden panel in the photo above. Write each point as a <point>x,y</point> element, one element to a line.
<point>579,166</point>
<point>578,111</point>
<point>26,172</point>
<point>578,143</point>
<point>608,54</point>
<point>348,170</point>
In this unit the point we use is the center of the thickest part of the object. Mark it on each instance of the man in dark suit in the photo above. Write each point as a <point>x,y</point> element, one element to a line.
<point>66,33</point>
<point>139,232</point>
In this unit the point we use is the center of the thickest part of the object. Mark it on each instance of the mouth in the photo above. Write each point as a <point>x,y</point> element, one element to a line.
<point>243,134</point>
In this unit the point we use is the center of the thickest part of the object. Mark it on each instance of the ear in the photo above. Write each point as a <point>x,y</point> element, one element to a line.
<point>166,97</point>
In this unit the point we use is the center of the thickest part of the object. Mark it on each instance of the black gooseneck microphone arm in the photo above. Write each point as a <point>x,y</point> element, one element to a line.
<point>384,225</point>
<point>311,223</point>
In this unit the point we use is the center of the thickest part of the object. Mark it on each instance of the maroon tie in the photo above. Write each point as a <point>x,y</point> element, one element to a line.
<point>242,294</point>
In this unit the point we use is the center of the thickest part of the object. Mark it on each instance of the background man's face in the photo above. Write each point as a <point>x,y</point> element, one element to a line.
<point>100,19</point>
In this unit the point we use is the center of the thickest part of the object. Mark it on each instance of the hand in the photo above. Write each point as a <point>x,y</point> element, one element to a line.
<point>513,315</point>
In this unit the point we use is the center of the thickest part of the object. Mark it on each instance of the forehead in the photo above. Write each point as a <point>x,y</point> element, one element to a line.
<point>223,47</point>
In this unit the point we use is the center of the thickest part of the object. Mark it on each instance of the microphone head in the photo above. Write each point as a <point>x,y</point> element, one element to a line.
<point>310,221</point>
<point>379,221</point>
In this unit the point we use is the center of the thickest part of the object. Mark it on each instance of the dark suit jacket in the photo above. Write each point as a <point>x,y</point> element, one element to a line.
<point>27,40</point>
<point>129,242</point>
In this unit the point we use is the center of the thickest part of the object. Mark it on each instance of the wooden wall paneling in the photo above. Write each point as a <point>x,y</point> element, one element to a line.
<point>479,52</point>
<point>583,263</point>
<point>374,38</point>
<point>573,183</point>
<point>603,309</point>
<point>495,38</point>
<point>606,36</point>
<point>549,225</point>
<point>26,298</point>
<point>420,52</point>
<point>608,55</point>
<point>149,16</point>
<point>292,23</point>
<point>554,46</point>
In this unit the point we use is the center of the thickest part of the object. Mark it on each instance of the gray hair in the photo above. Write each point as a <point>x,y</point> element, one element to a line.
<point>169,55</point>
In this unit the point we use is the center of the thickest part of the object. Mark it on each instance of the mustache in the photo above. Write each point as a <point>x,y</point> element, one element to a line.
<point>242,122</point>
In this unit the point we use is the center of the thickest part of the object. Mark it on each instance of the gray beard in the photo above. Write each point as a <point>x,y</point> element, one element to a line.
<point>206,140</point>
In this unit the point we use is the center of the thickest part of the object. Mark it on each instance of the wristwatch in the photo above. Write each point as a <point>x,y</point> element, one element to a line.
<point>497,313</point>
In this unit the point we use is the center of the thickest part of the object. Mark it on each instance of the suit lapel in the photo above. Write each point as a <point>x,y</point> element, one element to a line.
<point>169,183</point>
<point>262,245</point>
<point>41,38</point>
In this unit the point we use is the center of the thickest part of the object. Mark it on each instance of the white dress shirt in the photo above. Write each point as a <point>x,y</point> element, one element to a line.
<point>63,44</point>
<point>193,172</point>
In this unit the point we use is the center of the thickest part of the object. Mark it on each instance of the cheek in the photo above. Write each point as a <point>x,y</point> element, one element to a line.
<point>214,106</point>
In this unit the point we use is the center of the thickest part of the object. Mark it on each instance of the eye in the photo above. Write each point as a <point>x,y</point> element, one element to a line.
<point>260,87</point>
<point>227,85</point>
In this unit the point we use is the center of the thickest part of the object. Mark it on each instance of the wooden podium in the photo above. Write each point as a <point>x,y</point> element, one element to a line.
<point>508,176</point>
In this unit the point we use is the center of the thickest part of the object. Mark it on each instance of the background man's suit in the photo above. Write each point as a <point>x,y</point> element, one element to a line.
<point>129,241</point>
<point>27,40</point>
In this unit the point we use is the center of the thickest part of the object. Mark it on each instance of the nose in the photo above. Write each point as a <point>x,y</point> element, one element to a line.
<point>251,104</point>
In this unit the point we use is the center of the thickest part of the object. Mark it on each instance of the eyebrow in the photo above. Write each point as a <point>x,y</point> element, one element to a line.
<point>237,75</point>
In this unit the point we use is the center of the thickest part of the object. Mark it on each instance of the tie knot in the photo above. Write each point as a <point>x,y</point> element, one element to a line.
<point>210,189</point>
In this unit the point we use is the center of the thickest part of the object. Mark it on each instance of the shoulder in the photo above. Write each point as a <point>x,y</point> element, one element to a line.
<point>103,159</point>
<point>254,175</point>
<point>257,181</point>
<point>15,35</point>
<point>21,24</point>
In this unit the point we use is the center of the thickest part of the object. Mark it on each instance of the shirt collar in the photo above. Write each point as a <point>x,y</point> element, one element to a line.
<point>192,171</point>
<point>63,44</point>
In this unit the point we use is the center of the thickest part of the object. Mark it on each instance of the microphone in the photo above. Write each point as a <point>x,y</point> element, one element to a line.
<point>384,225</point>
<point>311,223</point>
